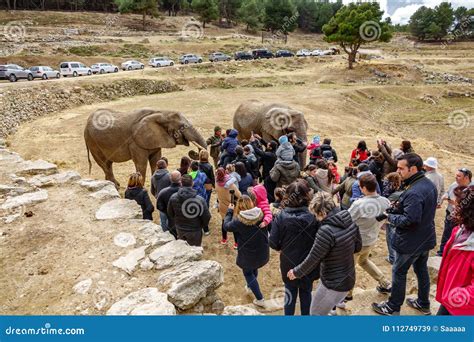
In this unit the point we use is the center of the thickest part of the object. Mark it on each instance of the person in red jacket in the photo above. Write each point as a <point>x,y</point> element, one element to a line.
<point>455,290</point>
<point>360,154</point>
<point>258,194</point>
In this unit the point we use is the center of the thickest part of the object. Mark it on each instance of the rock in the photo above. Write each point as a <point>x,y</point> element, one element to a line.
<point>188,283</point>
<point>83,286</point>
<point>240,310</point>
<point>147,265</point>
<point>94,185</point>
<point>434,264</point>
<point>175,253</point>
<point>10,157</point>
<point>6,189</point>
<point>37,167</point>
<point>119,209</point>
<point>148,301</point>
<point>2,143</point>
<point>124,240</point>
<point>107,192</point>
<point>129,262</point>
<point>153,235</point>
<point>25,200</point>
<point>41,181</point>
<point>18,180</point>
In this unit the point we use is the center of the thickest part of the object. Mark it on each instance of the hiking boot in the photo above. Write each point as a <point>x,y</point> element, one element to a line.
<point>384,309</point>
<point>384,290</point>
<point>413,303</point>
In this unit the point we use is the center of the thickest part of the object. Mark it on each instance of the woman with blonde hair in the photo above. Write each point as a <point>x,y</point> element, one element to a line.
<point>333,250</point>
<point>136,192</point>
<point>253,253</point>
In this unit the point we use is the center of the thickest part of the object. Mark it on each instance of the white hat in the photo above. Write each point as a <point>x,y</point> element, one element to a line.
<point>431,162</point>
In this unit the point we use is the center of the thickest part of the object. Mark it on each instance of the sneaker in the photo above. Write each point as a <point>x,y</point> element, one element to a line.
<point>207,233</point>
<point>333,312</point>
<point>236,246</point>
<point>384,290</point>
<point>341,305</point>
<point>413,303</point>
<point>348,298</point>
<point>259,302</point>
<point>384,309</point>
<point>224,242</point>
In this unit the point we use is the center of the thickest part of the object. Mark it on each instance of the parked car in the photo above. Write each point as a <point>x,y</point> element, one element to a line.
<point>157,62</point>
<point>74,69</point>
<point>102,68</point>
<point>186,59</point>
<point>316,52</point>
<point>243,55</point>
<point>284,53</point>
<point>44,72</point>
<point>219,56</point>
<point>303,53</point>
<point>262,53</point>
<point>14,73</point>
<point>132,65</point>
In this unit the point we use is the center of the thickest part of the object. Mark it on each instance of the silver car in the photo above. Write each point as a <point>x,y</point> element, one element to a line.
<point>102,68</point>
<point>219,56</point>
<point>44,72</point>
<point>132,65</point>
<point>186,59</point>
<point>13,73</point>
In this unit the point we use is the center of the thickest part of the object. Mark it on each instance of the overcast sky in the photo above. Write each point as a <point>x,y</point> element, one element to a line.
<point>401,10</point>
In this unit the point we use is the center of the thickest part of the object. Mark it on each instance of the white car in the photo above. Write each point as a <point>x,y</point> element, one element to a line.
<point>317,52</point>
<point>74,69</point>
<point>132,65</point>
<point>157,62</point>
<point>303,53</point>
<point>102,68</point>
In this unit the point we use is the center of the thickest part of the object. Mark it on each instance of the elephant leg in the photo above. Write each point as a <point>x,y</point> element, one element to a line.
<point>140,159</point>
<point>106,166</point>
<point>153,159</point>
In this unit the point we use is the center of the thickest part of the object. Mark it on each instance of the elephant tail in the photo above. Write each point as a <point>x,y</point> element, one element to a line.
<point>89,159</point>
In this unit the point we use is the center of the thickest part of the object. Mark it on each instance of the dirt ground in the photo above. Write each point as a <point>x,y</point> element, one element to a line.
<point>47,254</point>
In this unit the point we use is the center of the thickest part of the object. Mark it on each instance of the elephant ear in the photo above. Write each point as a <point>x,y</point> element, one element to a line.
<point>151,132</point>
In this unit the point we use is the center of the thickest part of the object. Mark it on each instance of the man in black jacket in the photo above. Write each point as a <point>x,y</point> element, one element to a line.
<point>188,212</point>
<point>415,236</point>
<point>164,197</point>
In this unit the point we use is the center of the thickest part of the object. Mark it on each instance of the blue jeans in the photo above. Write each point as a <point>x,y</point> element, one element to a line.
<point>252,283</point>
<point>291,294</point>
<point>164,221</point>
<point>400,268</point>
<point>389,235</point>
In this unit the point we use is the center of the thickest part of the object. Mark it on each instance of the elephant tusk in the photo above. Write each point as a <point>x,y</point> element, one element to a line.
<point>198,146</point>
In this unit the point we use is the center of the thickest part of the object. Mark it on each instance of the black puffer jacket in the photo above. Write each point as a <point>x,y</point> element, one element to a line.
<point>165,195</point>
<point>140,196</point>
<point>334,246</point>
<point>208,169</point>
<point>267,159</point>
<point>187,211</point>
<point>292,233</point>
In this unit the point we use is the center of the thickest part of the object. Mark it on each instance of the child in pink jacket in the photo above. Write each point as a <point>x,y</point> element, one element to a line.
<point>258,194</point>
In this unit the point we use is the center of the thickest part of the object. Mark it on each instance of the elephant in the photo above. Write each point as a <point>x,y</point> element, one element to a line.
<point>116,137</point>
<point>270,121</point>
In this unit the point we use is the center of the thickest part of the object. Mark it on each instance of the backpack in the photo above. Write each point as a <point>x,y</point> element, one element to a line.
<point>327,154</point>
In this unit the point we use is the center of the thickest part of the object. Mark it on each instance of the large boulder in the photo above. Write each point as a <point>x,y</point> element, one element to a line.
<point>41,181</point>
<point>107,192</point>
<point>148,301</point>
<point>240,310</point>
<point>153,235</point>
<point>37,167</point>
<point>175,253</point>
<point>190,282</point>
<point>24,200</point>
<point>129,262</point>
<point>119,209</point>
<point>94,185</point>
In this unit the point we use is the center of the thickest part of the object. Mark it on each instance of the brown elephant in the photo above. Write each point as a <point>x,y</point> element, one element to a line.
<point>116,137</point>
<point>270,121</point>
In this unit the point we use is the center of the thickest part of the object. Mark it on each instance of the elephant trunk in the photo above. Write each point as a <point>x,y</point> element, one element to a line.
<point>191,134</point>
